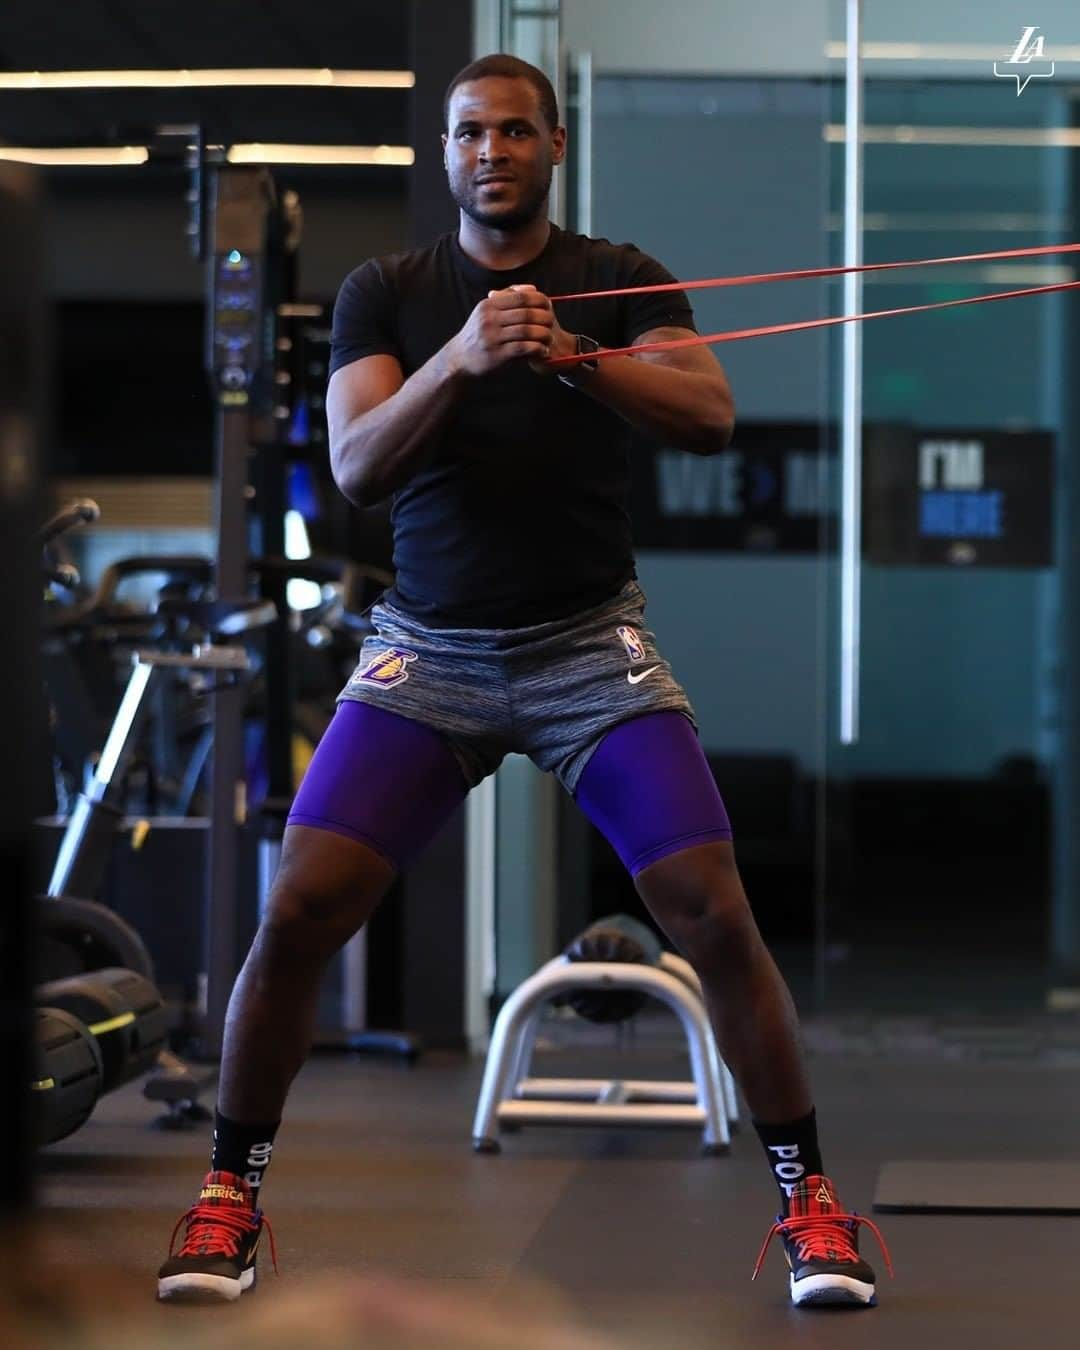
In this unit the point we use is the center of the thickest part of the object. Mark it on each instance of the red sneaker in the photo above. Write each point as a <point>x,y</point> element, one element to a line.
<point>821,1243</point>
<point>217,1258</point>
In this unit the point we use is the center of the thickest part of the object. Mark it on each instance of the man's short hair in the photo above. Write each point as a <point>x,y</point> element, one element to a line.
<point>507,67</point>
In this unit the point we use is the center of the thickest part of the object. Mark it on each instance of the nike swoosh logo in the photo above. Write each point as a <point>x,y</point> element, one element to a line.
<point>642,675</point>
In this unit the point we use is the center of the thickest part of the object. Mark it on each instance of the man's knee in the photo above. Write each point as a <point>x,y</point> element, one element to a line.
<point>697,897</point>
<point>326,888</point>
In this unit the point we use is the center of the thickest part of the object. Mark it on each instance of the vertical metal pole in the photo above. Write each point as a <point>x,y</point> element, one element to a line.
<point>851,429</point>
<point>354,983</point>
<point>480,845</point>
<point>227,779</point>
<point>583,152</point>
<point>243,199</point>
<point>487,23</point>
<point>1064,994</point>
<point>560,189</point>
<point>271,500</point>
<point>532,29</point>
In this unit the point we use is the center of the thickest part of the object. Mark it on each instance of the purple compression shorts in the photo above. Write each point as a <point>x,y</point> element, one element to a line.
<point>391,783</point>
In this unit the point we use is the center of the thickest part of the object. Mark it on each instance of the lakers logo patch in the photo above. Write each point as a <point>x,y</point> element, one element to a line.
<point>635,648</point>
<point>386,669</point>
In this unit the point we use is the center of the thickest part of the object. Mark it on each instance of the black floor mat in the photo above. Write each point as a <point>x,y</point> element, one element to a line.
<point>985,1187</point>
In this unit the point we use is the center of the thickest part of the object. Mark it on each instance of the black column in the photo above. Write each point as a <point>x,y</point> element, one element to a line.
<point>22,366</point>
<point>241,201</point>
<point>441,40</point>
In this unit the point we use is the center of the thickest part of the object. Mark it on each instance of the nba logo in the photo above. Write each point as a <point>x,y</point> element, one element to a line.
<point>634,646</point>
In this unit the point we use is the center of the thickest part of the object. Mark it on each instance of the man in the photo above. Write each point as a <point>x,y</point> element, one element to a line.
<point>515,624</point>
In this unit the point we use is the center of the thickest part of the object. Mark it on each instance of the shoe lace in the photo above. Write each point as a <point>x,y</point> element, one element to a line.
<point>218,1229</point>
<point>821,1235</point>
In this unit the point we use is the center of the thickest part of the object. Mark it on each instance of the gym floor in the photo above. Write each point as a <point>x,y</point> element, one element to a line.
<point>631,1236</point>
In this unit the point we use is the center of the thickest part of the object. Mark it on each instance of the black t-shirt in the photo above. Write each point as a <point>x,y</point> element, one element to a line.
<point>521,514</point>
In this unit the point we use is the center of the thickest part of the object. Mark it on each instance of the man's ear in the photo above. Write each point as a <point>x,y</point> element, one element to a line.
<point>558,145</point>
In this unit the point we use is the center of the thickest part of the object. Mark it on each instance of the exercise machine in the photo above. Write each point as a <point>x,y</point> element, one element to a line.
<point>256,348</point>
<point>76,935</point>
<point>108,1025</point>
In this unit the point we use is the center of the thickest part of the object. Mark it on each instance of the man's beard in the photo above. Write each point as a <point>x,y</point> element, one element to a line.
<point>465,194</point>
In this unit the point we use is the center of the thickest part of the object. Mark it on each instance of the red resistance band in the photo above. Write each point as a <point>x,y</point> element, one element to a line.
<point>735,335</point>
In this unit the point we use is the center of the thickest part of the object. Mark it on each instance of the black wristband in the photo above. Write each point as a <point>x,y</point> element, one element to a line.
<point>583,346</point>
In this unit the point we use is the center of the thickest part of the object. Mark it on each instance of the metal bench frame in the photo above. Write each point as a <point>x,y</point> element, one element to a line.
<point>509,1098</point>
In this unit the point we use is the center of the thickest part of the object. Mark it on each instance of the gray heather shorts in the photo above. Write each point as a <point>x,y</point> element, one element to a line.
<point>551,691</point>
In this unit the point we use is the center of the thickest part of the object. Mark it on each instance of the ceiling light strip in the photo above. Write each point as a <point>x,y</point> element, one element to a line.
<point>251,153</point>
<point>259,153</point>
<point>941,51</point>
<point>900,134</point>
<point>323,78</point>
<point>75,156</point>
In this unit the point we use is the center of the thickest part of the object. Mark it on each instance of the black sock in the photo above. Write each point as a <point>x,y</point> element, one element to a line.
<point>793,1152</point>
<point>243,1150</point>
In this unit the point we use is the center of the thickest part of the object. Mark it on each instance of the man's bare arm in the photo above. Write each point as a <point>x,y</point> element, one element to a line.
<point>383,427</point>
<point>681,397</point>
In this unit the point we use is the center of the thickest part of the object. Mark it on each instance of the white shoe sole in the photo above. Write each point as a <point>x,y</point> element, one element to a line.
<point>209,1288</point>
<point>818,1290</point>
